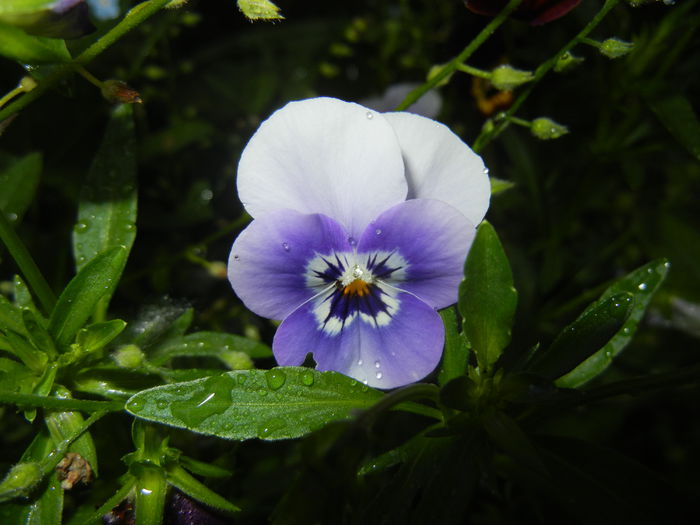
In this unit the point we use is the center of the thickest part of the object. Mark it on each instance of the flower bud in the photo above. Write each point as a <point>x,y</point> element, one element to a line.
<point>260,10</point>
<point>128,356</point>
<point>506,78</point>
<point>615,48</point>
<point>20,480</point>
<point>546,129</point>
<point>567,62</point>
<point>116,91</point>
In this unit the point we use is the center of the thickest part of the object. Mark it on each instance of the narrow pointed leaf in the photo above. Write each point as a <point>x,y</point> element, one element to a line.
<point>677,114</point>
<point>585,336</point>
<point>643,284</point>
<point>79,299</point>
<point>178,477</point>
<point>456,354</point>
<point>281,403</point>
<point>212,344</point>
<point>487,298</point>
<point>19,181</point>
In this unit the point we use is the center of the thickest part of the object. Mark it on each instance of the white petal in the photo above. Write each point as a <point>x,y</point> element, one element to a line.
<point>324,156</point>
<point>440,166</point>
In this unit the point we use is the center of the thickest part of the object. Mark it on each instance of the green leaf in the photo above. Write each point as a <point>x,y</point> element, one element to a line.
<point>281,403</point>
<point>500,185</point>
<point>107,209</point>
<point>487,298</point>
<point>677,114</point>
<point>14,376</point>
<point>11,7</point>
<point>10,316</point>
<point>18,45</point>
<point>34,358</point>
<point>19,181</point>
<point>79,299</point>
<point>178,477</point>
<point>260,10</point>
<point>585,336</point>
<point>98,335</point>
<point>213,344</point>
<point>23,297</point>
<point>114,382</point>
<point>456,354</point>
<point>206,470</point>
<point>37,333</point>
<point>642,283</point>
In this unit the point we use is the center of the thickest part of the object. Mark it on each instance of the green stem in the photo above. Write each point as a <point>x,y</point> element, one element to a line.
<point>26,264</point>
<point>399,397</point>
<point>466,68</point>
<point>459,60</point>
<point>487,136</point>
<point>10,95</point>
<point>135,17</point>
<point>56,455</point>
<point>54,403</point>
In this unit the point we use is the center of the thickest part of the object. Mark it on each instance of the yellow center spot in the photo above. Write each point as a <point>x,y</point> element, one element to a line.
<point>357,287</point>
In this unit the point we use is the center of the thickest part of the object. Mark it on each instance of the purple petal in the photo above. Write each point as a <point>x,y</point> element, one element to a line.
<point>384,355</point>
<point>268,261</point>
<point>324,156</point>
<point>440,166</point>
<point>61,19</point>
<point>433,239</point>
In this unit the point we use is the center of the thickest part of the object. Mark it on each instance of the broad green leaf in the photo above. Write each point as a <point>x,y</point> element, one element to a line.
<point>79,299</point>
<point>19,181</point>
<point>500,185</point>
<point>585,336</point>
<point>179,478</point>
<point>642,283</point>
<point>107,209</point>
<point>260,10</point>
<point>280,403</point>
<point>213,344</point>
<point>456,354</point>
<point>98,335</point>
<point>487,298</point>
<point>10,316</point>
<point>677,114</point>
<point>29,49</point>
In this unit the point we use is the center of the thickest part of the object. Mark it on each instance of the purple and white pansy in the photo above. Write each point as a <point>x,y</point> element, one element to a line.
<point>362,223</point>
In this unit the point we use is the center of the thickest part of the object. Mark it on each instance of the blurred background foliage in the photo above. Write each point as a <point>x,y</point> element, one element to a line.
<point>616,192</point>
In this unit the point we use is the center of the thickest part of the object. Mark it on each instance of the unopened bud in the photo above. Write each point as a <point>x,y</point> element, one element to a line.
<point>546,129</point>
<point>116,91</point>
<point>260,10</point>
<point>236,360</point>
<point>20,480</point>
<point>217,269</point>
<point>615,48</point>
<point>506,78</point>
<point>27,83</point>
<point>567,62</point>
<point>128,356</point>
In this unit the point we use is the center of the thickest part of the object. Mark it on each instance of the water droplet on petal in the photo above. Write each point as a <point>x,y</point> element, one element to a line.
<point>378,375</point>
<point>352,241</point>
<point>486,171</point>
<point>377,364</point>
<point>285,246</point>
<point>378,231</point>
<point>360,362</point>
<point>369,115</point>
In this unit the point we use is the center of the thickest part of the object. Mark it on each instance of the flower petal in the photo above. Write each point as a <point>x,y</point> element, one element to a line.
<point>325,156</point>
<point>440,166</point>
<point>433,239</point>
<point>269,259</point>
<point>402,351</point>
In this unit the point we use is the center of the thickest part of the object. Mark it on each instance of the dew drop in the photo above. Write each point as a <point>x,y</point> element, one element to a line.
<point>378,231</point>
<point>360,362</point>
<point>12,217</point>
<point>130,226</point>
<point>242,378</point>
<point>377,364</point>
<point>642,286</point>
<point>200,344</point>
<point>162,404</point>
<point>236,257</point>
<point>285,246</point>
<point>81,227</point>
<point>352,241</point>
<point>486,171</point>
<point>369,115</point>
<point>136,406</point>
<point>378,375</point>
<point>307,378</point>
<point>275,379</point>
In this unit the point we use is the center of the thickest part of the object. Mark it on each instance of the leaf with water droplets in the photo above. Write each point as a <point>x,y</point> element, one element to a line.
<point>281,403</point>
<point>210,344</point>
<point>107,208</point>
<point>642,284</point>
<point>19,179</point>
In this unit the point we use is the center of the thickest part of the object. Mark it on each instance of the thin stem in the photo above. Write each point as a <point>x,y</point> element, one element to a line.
<point>467,52</point>
<point>10,95</point>
<point>133,18</point>
<point>488,135</point>
<point>89,77</point>
<point>520,122</point>
<point>54,403</point>
<point>26,264</point>
<point>475,72</point>
<point>589,41</point>
<point>398,397</point>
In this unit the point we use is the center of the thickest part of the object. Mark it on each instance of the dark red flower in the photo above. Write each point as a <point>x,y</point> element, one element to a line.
<point>536,12</point>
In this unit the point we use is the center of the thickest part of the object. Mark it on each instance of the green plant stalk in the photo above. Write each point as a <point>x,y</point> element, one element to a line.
<point>26,264</point>
<point>56,455</point>
<point>487,136</point>
<point>135,17</point>
<point>466,68</point>
<point>54,403</point>
<point>397,398</point>
<point>459,60</point>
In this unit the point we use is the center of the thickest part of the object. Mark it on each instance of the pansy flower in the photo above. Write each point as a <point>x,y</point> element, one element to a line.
<point>362,223</point>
